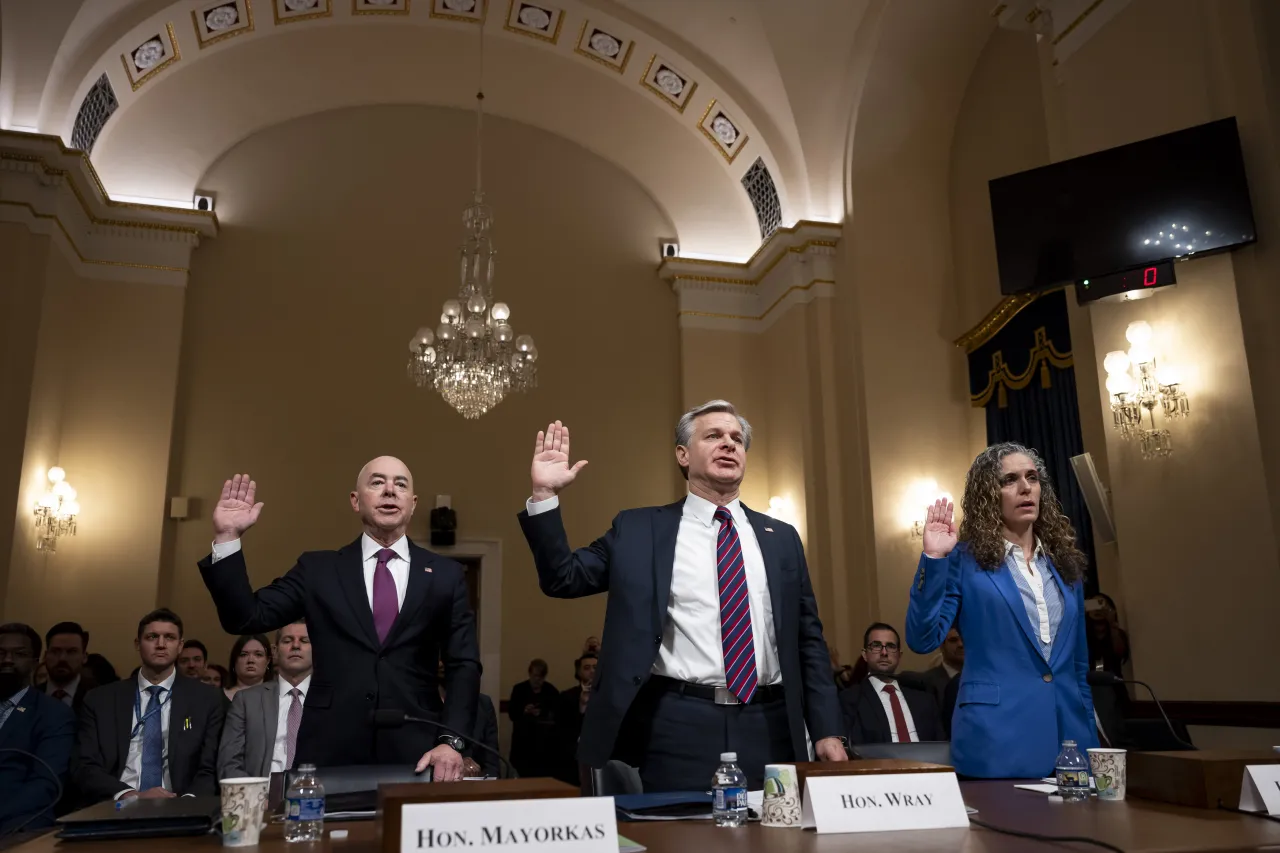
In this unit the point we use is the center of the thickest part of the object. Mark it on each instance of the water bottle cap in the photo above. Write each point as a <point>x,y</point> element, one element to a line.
<point>306,768</point>
<point>1067,743</point>
<point>728,756</point>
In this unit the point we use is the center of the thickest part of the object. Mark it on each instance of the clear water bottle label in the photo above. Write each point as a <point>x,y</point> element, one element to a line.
<point>730,798</point>
<point>1074,778</point>
<point>306,808</point>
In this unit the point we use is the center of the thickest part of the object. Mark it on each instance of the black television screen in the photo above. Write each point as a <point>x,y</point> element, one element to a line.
<point>1172,197</point>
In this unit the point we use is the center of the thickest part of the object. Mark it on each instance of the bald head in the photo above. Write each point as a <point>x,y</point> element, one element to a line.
<point>384,499</point>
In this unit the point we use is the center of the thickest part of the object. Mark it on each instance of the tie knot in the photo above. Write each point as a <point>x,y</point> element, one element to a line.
<point>385,555</point>
<point>723,515</point>
<point>155,690</point>
<point>889,688</point>
<point>295,692</point>
<point>60,694</point>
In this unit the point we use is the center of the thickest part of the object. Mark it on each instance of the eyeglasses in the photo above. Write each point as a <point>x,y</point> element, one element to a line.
<point>878,647</point>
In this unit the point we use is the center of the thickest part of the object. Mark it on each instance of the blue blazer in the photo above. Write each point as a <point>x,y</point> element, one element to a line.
<point>1013,710</point>
<point>45,727</point>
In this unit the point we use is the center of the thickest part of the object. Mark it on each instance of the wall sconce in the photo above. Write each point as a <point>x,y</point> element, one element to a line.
<point>56,512</point>
<point>1136,385</point>
<point>920,496</point>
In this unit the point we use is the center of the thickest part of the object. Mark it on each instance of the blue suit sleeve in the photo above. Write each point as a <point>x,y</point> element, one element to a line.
<point>934,602</point>
<point>562,572</point>
<point>243,611</point>
<point>1082,666</point>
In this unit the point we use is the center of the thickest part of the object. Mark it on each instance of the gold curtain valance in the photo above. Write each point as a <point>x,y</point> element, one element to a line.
<point>1001,377</point>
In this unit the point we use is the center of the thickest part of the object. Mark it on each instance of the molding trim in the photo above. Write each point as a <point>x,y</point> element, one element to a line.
<point>795,266</point>
<point>53,190</point>
<point>1006,309</point>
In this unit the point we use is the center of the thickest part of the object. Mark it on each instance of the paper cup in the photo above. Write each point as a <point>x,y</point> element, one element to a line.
<point>244,802</point>
<point>1109,774</point>
<point>781,796</point>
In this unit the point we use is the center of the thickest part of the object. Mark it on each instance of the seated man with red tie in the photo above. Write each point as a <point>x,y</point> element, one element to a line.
<point>261,734</point>
<point>881,710</point>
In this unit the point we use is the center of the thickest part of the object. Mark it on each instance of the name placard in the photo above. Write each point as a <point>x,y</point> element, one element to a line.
<point>583,825</point>
<point>1260,791</point>
<point>881,802</point>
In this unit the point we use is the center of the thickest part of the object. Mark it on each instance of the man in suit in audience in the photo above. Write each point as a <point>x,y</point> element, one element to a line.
<point>261,735</point>
<point>571,709</point>
<point>156,734</point>
<point>65,655</point>
<point>880,709</point>
<point>35,723</point>
<point>380,612</point>
<point>712,640</point>
<point>937,678</point>
<point>193,659</point>
<point>532,711</point>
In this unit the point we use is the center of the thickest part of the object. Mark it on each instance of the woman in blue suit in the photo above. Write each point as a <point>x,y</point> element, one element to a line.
<point>1011,580</point>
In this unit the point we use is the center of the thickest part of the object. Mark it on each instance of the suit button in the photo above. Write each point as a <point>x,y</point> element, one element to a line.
<point>637,679</point>
<point>369,696</point>
<point>1047,676</point>
<point>657,641</point>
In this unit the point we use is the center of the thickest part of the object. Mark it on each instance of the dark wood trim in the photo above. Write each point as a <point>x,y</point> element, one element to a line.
<point>1254,715</point>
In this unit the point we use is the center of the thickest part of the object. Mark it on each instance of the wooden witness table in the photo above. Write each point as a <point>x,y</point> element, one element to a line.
<point>1137,826</point>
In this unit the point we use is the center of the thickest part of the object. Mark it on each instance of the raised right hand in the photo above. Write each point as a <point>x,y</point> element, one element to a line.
<point>940,529</point>
<point>236,511</point>
<point>551,471</point>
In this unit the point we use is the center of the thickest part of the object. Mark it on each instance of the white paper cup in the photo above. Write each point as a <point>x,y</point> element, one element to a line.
<point>1110,776</point>
<point>781,806</point>
<point>244,802</point>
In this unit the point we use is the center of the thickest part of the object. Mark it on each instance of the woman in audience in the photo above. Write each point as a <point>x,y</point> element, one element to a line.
<point>1108,642</point>
<point>1014,575</point>
<point>215,674</point>
<point>250,663</point>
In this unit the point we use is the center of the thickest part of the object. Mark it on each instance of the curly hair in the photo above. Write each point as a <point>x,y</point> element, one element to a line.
<point>982,523</point>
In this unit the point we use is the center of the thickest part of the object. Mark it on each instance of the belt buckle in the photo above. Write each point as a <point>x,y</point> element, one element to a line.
<point>725,697</point>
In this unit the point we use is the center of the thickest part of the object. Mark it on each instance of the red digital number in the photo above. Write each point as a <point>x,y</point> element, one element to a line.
<point>1148,276</point>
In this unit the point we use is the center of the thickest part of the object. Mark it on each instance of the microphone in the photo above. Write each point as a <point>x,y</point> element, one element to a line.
<point>394,718</point>
<point>1097,677</point>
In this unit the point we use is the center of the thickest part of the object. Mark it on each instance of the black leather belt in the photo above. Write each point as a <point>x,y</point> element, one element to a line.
<point>719,695</point>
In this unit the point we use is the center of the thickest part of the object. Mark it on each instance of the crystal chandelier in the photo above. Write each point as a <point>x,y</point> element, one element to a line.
<point>56,512</point>
<point>474,358</point>
<point>1136,385</point>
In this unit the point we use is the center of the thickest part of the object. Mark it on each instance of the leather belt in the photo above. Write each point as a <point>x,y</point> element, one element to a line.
<point>719,695</point>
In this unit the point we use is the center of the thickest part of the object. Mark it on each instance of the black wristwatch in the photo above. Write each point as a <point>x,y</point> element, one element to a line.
<point>457,743</point>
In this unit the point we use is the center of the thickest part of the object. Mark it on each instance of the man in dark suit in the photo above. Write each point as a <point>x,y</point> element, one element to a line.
<point>261,735</point>
<point>154,735</point>
<point>571,707</point>
<point>532,709</point>
<point>66,647</point>
<point>880,709</point>
<point>937,678</point>
<point>380,612</point>
<point>712,641</point>
<point>35,723</point>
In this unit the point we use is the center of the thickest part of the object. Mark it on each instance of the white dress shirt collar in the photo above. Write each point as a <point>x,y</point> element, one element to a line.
<point>70,688</point>
<point>705,511</point>
<point>370,548</point>
<point>1009,548</point>
<point>303,686</point>
<point>167,684</point>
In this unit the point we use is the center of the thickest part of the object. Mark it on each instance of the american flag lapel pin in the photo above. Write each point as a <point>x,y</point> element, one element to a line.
<point>768,530</point>
<point>427,569</point>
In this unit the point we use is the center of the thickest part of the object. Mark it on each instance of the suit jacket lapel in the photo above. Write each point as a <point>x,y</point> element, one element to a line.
<point>1003,579</point>
<point>270,719</point>
<point>873,711</point>
<point>1065,636</point>
<point>179,712</point>
<point>772,564</point>
<point>351,579</point>
<point>124,721</point>
<point>416,594</point>
<point>20,719</point>
<point>666,525</point>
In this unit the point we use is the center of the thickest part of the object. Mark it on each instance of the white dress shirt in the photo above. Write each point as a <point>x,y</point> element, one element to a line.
<point>70,689</point>
<point>398,565</point>
<point>952,672</point>
<point>691,648</point>
<point>280,751</point>
<point>1036,579</point>
<point>878,684</point>
<point>132,774</point>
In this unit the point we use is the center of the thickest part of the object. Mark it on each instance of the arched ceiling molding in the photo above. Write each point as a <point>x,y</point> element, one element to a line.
<point>551,87</point>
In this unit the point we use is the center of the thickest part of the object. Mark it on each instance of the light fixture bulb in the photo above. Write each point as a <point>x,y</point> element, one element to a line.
<point>1139,332</point>
<point>1119,383</point>
<point>57,475</point>
<point>1117,361</point>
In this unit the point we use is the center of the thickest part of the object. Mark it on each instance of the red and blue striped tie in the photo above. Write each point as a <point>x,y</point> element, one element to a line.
<point>735,612</point>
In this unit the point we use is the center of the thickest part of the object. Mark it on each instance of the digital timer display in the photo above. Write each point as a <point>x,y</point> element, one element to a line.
<point>1129,284</point>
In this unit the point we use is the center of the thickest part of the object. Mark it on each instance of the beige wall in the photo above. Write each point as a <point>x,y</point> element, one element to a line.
<point>340,234</point>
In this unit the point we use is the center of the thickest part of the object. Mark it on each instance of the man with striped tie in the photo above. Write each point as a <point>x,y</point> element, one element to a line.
<point>712,641</point>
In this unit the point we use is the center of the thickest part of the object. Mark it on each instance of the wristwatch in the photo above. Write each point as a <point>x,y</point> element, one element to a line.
<point>457,743</point>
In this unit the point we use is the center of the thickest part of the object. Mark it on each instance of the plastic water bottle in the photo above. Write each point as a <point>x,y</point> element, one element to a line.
<point>1072,770</point>
<point>730,791</point>
<point>304,817</point>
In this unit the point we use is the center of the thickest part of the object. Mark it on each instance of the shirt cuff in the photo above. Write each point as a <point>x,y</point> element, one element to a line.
<point>122,793</point>
<point>537,507</point>
<point>224,550</point>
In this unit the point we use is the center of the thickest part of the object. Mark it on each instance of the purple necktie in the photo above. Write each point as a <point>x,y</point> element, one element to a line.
<point>385,604</point>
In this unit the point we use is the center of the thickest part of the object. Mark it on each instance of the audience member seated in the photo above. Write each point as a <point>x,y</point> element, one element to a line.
<point>261,734</point>
<point>35,723</point>
<point>937,678</point>
<point>193,659</point>
<point>1108,643</point>
<point>155,735</point>
<point>100,669</point>
<point>591,646</point>
<point>216,675</point>
<point>65,656</point>
<point>880,709</point>
<point>570,709</point>
<point>249,663</point>
<point>532,709</point>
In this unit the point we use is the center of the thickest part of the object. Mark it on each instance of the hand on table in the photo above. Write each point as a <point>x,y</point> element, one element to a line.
<point>830,749</point>
<point>446,761</point>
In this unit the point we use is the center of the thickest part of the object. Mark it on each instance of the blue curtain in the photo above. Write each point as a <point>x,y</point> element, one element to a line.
<point>1023,374</point>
